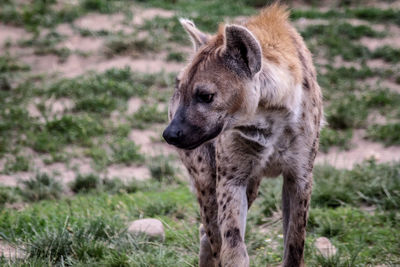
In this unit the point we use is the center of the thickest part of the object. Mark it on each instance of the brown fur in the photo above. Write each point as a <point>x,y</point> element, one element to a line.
<point>263,120</point>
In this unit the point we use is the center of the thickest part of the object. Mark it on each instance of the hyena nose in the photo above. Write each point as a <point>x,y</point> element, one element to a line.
<point>172,135</point>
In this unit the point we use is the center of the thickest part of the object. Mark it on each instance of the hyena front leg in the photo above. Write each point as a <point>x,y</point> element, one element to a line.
<point>233,171</point>
<point>210,240</point>
<point>296,195</point>
<point>201,166</point>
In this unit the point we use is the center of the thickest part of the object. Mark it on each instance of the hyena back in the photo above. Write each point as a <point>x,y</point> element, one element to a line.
<point>247,106</point>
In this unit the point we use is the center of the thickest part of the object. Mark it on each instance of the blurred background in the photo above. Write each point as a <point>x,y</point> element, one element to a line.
<point>84,91</point>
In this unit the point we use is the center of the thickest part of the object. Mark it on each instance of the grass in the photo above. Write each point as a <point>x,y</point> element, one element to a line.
<point>368,184</point>
<point>19,163</point>
<point>11,64</point>
<point>372,14</point>
<point>8,195</point>
<point>93,183</point>
<point>206,14</point>
<point>387,133</point>
<point>176,56</point>
<point>9,68</point>
<point>339,40</point>
<point>161,169</point>
<point>46,44</point>
<point>41,186</point>
<point>148,114</point>
<point>119,83</point>
<point>344,80</point>
<point>350,112</point>
<point>85,234</point>
<point>66,130</point>
<point>344,30</point>
<point>126,152</point>
<point>101,104</point>
<point>387,53</point>
<point>91,227</point>
<point>120,44</point>
<point>85,183</point>
<point>38,14</point>
<point>330,137</point>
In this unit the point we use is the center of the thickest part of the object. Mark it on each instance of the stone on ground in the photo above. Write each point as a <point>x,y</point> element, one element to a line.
<point>325,247</point>
<point>9,251</point>
<point>153,228</point>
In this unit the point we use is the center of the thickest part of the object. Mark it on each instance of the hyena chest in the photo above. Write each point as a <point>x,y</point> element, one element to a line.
<point>271,137</point>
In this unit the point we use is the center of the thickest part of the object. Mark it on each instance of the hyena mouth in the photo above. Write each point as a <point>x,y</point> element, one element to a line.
<point>194,140</point>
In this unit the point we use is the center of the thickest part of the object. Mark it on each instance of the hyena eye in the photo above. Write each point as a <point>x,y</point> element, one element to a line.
<point>205,97</point>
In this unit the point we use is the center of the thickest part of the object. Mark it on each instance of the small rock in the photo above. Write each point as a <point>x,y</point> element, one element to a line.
<point>150,227</point>
<point>10,251</point>
<point>325,247</point>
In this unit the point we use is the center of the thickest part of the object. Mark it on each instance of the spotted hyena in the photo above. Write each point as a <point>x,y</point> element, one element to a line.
<point>247,106</point>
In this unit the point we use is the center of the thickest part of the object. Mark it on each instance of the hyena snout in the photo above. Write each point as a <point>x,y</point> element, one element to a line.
<point>185,135</point>
<point>173,134</point>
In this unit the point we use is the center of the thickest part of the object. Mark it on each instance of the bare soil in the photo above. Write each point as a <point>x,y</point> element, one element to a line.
<point>361,150</point>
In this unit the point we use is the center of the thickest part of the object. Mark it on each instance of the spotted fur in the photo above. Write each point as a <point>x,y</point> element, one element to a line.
<point>263,120</point>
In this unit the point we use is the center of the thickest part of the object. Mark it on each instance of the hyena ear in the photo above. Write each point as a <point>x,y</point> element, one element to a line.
<point>242,50</point>
<point>198,38</point>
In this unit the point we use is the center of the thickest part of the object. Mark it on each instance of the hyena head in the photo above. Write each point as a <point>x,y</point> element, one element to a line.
<point>217,89</point>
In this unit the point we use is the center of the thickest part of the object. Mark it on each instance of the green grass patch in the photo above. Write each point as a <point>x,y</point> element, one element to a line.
<point>92,183</point>
<point>41,186</point>
<point>371,14</point>
<point>344,80</point>
<point>85,183</point>
<point>126,151</point>
<point>330,137</point>
<point>46,44</point>
<point>19,163</point>
<point>99,156</point>
<point>148,114</point>
<point>120,83</point>
<point>381,99</point>
<point>339,40</point>
<point>11,64</point>
<point>36,14</point>
<point>348,112</point>
<point>344,30</point>
<point>361,238</point>
<point>9,67</point>
<point>101,104</point>
<point>367,184</point>
<point>78,129</point>
<point>162,169</point>
<point>13,122</point>
<point>92,229</point>
<point>176,56</point>
<point>162,30</point>
<point>117,45</point>
<point>387,53</point>
<point>388,133</point>
<point>9,195</point>
<point>206,14</point>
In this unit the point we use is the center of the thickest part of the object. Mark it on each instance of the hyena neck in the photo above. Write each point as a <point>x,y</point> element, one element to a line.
<point>278,89</point>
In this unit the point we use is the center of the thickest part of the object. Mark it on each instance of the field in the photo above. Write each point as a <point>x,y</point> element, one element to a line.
<point>84,91</point>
